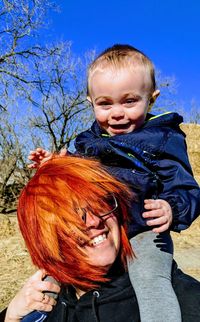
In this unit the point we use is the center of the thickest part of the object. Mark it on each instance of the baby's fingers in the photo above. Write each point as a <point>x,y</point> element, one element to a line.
<point>162,223</point>
<point>151,204</point>
<point>153,213</point>
<point>157,221</point>
<point>32,166</point>
<point>160,229</point>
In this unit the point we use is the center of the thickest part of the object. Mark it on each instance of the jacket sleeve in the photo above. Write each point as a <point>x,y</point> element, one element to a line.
<point>179,186</point>
<point>35,316</point>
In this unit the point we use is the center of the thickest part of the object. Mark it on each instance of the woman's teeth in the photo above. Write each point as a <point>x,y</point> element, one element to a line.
<point>98,240</point>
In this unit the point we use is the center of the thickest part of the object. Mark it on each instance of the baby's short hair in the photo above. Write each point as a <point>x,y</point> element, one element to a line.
<point>118,56</point>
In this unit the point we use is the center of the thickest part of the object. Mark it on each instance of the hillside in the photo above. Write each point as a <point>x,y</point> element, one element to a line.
<point>192,132</point>
<point>16,265</point>
<point>187,244</point>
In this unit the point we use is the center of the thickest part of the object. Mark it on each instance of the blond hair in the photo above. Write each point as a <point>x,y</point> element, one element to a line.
<point>122,56</point>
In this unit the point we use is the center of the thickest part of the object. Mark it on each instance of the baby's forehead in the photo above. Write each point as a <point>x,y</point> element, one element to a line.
<point>116,66</point>
<point>111,72</point>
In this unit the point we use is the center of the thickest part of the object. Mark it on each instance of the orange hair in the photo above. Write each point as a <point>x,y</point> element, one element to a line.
<point>50,225</point>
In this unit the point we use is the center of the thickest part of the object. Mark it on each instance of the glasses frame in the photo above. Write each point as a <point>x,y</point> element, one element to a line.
<point>84,217</point>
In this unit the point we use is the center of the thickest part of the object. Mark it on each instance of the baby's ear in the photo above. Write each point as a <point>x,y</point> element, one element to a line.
<point>153,98</point>
<point>155,94</point>
<point>89,99</point>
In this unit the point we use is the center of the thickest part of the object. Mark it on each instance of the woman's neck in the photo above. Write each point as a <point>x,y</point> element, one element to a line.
<point>79,293</point>
<point>116,270</point>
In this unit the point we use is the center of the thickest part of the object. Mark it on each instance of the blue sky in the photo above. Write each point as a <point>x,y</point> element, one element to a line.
<point>167,31</point>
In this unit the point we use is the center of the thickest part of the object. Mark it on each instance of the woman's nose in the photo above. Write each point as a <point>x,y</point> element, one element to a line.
<point>92,220</point>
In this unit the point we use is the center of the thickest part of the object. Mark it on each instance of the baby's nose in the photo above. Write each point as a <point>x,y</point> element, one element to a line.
<point>117,111</point>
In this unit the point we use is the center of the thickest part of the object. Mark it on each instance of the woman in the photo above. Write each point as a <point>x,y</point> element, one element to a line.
<point>73,217</point>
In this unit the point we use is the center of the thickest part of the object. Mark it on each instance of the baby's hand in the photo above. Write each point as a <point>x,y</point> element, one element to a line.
<point>31,297</point>
<point>38,157</point>
<point>159,213</point>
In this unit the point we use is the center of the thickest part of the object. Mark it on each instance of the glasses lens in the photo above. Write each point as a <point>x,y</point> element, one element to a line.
<point>111,205</point>
<point>107,205</point>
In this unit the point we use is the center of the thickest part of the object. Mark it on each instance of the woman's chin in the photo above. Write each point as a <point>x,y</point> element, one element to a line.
<point>102,256</point>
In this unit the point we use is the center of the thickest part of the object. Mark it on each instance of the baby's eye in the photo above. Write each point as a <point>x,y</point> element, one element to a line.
<point>104,103</point>
<point>130,100</point>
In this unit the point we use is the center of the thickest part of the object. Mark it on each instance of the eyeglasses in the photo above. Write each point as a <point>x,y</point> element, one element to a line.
<point>110,201</point>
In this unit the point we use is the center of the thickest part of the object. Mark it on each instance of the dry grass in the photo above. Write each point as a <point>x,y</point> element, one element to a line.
<point>187,244</point>
<point>16,265</point>
<point>192,132</point>
<point>15,262</point>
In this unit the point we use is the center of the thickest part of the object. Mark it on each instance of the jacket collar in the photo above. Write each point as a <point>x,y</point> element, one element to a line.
<point>166,119</point>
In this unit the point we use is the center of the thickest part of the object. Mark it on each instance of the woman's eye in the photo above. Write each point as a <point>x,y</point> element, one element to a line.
<point>83,217</point>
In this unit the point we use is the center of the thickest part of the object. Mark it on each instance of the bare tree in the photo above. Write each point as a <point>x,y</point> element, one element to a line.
<point>20,21</point>
<point>61,109</point>
<point>54,112</point>
<point>13,170</point>
<point>194,112</point>
<point>168,88</point>
<point>168,101</point>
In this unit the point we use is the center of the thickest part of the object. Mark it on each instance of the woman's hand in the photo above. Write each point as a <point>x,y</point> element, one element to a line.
<point>31,297</point>
<point>159,213</point>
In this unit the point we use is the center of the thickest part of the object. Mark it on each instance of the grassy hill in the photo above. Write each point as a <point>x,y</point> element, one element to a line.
<point>187,244</point>
<point>192,132</point>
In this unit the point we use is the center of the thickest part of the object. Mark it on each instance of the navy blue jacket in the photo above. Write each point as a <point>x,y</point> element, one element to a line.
<point>153,161</point>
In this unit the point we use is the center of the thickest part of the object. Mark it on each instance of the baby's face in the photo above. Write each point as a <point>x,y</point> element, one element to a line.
<point>120,98</point>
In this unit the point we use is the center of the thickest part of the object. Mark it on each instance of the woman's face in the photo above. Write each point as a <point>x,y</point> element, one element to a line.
<point>104,244</point>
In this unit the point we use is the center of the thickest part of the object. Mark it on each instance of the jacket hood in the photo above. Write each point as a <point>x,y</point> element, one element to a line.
<point>100,304</point>
<point>150,137</point>
<point>166,119</point>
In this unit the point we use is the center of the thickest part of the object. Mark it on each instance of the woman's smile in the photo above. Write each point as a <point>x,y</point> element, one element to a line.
<point>104,244</point>
<point>98,239</point>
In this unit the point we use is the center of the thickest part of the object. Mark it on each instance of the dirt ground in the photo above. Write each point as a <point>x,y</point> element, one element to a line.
<point>16,266</point>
